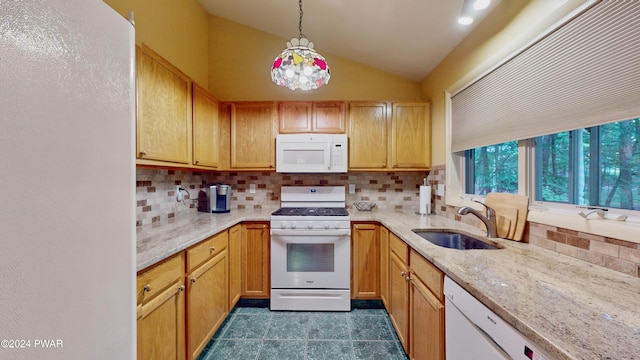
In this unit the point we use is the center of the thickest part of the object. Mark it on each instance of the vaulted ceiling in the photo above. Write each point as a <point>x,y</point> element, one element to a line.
<point>407,38</point>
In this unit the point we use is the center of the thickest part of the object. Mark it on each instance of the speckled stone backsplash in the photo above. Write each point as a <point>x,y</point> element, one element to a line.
<point>156,189</point>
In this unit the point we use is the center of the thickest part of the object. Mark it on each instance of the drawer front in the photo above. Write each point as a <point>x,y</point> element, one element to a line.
<point>399,248</point>
<point>151,282</point>
<point>430,275</point>
<point>206,250</point>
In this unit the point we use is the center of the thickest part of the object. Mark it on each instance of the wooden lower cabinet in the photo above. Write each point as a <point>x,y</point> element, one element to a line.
<point>426,310</point>
<point>207,299</point>
<point>161,311</point>
<point>426,323</point>
<point>160,325</point>
<point>384,265</point>
<point>235,264</point>
<point>255,260</point>
<point>416,301</point>
<point>365,261</point>
<point>399,307</point>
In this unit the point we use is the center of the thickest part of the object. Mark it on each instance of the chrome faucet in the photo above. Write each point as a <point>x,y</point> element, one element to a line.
<point>489,221</point>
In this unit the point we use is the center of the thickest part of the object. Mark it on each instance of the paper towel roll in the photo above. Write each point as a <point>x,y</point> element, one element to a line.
<point>425,200</point>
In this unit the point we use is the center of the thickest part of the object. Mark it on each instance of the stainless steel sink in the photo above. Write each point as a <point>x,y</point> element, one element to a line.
<point>453,239</point>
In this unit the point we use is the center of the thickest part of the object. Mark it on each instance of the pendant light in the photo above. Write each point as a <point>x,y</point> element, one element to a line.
<point>299,66</point>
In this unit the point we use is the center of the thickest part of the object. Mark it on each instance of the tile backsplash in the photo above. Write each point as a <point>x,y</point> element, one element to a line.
<point>156,201</point>
<point>156,189</point>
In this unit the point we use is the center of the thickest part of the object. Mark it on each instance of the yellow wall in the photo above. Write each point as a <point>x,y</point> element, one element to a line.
<point>509,27</point>
<point>177,30</point>
<point>240,64</point>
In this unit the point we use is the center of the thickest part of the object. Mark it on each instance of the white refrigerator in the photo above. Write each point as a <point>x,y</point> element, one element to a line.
<point>67,181</point>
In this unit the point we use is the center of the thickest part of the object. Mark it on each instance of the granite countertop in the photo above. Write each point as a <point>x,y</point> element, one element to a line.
<point>572,309</point>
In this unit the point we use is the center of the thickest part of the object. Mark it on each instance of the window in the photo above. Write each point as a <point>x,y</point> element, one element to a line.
<point>492,168</point>
<point>596,166</point>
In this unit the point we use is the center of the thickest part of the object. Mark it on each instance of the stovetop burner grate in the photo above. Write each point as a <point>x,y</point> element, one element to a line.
<point>311,211</point>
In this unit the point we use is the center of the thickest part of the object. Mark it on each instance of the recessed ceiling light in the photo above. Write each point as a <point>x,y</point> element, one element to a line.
<point>481,4</point>
<point>465,20</point>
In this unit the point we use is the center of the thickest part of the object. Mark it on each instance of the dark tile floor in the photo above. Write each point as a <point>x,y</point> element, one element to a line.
<point>257,333</point>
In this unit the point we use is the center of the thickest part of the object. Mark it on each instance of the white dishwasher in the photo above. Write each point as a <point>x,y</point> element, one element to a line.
<point>472,331</point>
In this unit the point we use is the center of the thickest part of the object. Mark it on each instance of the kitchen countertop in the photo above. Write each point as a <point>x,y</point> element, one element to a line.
<point>572,309</point>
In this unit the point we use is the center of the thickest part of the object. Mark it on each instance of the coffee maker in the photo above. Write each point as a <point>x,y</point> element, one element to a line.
<point>216,198</point>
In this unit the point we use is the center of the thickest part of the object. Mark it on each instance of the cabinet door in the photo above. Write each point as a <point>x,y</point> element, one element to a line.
<point>207,302</point>
<point>253,129</point>
<point>235,260</point>
<point>399,314</point>
<point>161,325</point>
<point>384,266</point>
<point>368,139</point>
<point>294,117</point>
<point>255,261</point>
<point>427,323</point>
<point>329,117</point>
<point>411,135</point>
<point>365,262</point>
<point>164,109</point>
<point>206,151</point>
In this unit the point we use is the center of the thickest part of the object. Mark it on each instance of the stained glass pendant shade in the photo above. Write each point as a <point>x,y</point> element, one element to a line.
<point>299,66</point>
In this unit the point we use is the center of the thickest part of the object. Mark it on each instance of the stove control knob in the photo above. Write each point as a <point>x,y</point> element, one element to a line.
<point>283,225</point>
<point>326,225</point>
<point>310,225</point>
<point>293,225</point>
<point>336,225</point>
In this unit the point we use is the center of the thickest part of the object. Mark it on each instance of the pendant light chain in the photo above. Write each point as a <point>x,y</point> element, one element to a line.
<point>301,35</point>
<point>299,66</point>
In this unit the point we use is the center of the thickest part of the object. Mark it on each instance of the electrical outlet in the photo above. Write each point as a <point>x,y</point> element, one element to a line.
<point>440,191</point>
<point>252,188</point>
<point>352,188</point>
<point>178,193</point>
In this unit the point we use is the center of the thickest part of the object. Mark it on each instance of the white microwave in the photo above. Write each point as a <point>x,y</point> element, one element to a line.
<point>311,153</point>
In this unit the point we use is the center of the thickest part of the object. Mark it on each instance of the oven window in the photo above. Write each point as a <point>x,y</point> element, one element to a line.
<point>310,258</point>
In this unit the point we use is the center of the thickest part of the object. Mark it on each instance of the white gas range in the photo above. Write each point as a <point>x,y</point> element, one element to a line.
<point>311,250</point>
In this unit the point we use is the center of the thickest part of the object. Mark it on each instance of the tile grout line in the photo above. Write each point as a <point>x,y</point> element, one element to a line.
<point>264,336</point>
<point>353,348</point>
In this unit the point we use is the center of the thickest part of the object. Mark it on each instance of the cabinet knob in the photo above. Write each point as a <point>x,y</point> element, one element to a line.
<point>213,248</point>
<point>403,274</point>
<point>193,280</point>
<point>147,288</point>
<point>181,288</point>
<point>197,162</point>
<point>143,153</point>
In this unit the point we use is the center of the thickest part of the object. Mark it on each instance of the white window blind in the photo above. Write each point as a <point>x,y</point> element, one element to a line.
<point>585,73</point>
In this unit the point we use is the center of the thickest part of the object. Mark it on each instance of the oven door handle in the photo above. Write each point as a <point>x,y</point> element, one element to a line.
<point>325,232</point>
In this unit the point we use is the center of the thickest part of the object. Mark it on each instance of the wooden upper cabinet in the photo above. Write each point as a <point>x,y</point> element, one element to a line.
<point>368,135</point>
<point>253,129</point>
<point>206,150</point>
<point>411,135</point>
<point>329,117</point>
<point>294,117</point>
<point>163,110</point>
<point>311,117</point>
